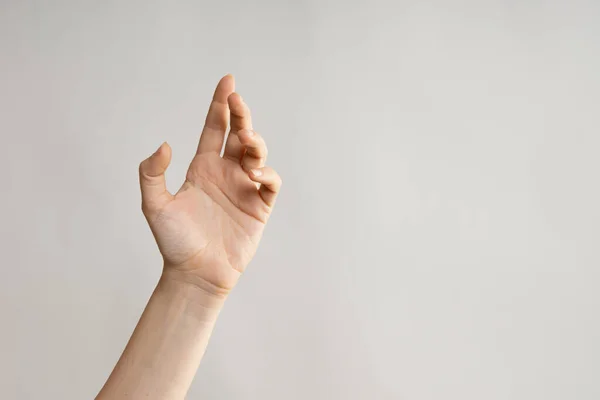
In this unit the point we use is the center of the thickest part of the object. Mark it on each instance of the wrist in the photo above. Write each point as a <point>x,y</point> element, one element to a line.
<point>194,289</point>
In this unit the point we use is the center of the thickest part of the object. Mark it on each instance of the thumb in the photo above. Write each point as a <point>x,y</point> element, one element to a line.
<point>152,179</point>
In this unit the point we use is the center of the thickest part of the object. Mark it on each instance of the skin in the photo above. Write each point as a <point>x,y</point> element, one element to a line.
<point>207,234</point>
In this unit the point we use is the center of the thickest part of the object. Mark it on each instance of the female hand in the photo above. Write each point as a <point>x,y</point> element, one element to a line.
<point>209,230</point>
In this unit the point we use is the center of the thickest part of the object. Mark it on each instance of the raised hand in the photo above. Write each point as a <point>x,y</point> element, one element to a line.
<point>210,229</point>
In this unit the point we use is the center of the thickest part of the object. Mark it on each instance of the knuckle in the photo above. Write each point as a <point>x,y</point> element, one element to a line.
<point>142,168</point>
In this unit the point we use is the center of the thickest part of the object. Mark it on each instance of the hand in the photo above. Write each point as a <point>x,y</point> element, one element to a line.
<point>210,229</point>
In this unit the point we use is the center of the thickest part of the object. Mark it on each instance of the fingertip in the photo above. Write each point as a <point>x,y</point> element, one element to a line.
<point>162,149</point>
<point>246,135</point>
<point>255,173</point>
<point>166,150</point>
<point>158,151</point>
<point>224,88</point>
<point>161,158</point>
<point>229,81</point>
<point>235,99</point>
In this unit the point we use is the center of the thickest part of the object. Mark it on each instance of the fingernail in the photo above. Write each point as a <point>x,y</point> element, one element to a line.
<point>256,172</point>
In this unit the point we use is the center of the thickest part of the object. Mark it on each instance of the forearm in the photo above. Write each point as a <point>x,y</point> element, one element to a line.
<point>168,343</point>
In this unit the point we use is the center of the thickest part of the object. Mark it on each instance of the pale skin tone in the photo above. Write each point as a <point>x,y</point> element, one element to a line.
<point>207,234</point>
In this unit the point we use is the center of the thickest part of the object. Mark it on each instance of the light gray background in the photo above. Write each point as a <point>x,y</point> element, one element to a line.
<point>437,235</point>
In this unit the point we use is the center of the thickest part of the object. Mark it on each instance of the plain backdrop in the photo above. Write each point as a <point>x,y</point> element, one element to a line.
<point>438,232</point>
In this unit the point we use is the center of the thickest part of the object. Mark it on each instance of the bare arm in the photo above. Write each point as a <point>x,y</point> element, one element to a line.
<point>167,345</point>
<point>207,233</point>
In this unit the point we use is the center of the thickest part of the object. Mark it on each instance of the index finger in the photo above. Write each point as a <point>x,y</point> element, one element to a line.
<point>217,119</point>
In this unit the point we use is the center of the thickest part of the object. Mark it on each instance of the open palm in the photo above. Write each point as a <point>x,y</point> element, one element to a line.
<point>211,227</point>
